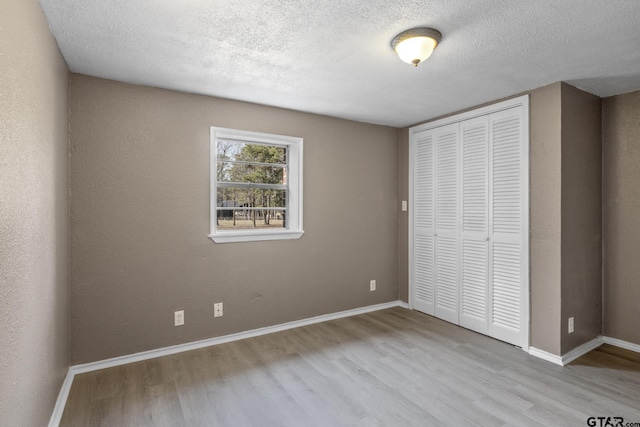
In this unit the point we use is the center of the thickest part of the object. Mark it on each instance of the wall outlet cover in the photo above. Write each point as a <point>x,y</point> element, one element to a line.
<point>178,318</point>
<point>217,309</point>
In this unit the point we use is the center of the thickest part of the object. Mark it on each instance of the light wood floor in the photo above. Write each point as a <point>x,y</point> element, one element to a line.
<point>389,368</point>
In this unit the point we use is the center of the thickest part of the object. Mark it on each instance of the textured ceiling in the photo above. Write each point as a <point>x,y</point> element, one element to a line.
<point>333,56</point>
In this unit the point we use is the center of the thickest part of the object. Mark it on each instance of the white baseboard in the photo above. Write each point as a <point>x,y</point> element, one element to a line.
<point>56,416</point>
<point>569,357</point>
<point>585,348</point>
<point>581,350</point>
<point>622,344</point>
<point>165,351</point>
<point>549,357</point>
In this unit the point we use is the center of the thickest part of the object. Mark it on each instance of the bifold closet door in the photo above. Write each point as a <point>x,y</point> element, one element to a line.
<point>506,252</point>
<point>470,221</point>
<point>435,208</point>
<point>492,256</point>
<point>447,230</point>
<point>424,223</point>
<point>474,281</point>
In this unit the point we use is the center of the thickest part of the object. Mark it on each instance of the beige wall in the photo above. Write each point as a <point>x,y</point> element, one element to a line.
<point>140,219</point>
<point>621,216</point>
<point>34,217</point>
<point>581,216</point>
<point>545,221</point>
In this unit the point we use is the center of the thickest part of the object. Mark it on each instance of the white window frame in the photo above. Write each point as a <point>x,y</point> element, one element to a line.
<point>294,228</point>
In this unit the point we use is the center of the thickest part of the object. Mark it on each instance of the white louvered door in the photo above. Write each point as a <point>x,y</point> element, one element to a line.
<point>447,233</point>
<point>474,286</point>
<point>506,226</point>
<point>469,220</point>
<point>423,224</point>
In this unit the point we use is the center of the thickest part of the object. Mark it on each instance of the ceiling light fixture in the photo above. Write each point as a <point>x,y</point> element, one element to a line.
<point>415,45</point>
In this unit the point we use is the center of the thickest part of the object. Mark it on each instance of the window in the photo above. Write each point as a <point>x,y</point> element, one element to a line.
<point>256,186</point>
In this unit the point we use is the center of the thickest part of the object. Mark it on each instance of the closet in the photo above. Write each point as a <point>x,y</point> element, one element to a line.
<point>469,220</point>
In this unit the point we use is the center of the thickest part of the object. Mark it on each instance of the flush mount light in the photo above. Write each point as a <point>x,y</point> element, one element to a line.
<point>415,45</point>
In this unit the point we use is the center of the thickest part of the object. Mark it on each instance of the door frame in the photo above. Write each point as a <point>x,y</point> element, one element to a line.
<point>521,101</point>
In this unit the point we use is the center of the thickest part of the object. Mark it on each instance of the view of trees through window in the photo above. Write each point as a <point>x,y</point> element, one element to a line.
<point>251,185</point>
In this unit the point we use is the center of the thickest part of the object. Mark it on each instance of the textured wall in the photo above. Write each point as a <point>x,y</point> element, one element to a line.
<point>581,216</point>
<point>34,217</point>
<point>621,216</point>
<point>545,221</point>
<point>140,219</point>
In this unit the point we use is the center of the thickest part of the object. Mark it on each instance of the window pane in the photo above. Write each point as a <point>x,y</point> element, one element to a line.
<point>251,198</point>
<point>229,150</point>
<point>241,208</point>
<point>242,172</point>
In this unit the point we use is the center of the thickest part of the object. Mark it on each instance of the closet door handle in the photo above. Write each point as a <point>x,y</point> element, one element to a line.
<point>487,239</point>
<point>435,234</point>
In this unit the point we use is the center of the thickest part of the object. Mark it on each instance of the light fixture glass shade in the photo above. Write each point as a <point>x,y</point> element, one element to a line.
<point>415,45</point>
<point>416,49</point>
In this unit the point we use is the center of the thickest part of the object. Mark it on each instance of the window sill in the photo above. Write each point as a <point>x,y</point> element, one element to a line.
<point>254,236</point>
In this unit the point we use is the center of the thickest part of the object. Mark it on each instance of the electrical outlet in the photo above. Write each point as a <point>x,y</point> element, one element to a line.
<point>571,328</point>
<point>404,206</point>
<point>217,309</point>
<point>178,318</point>
<point>372,286</point>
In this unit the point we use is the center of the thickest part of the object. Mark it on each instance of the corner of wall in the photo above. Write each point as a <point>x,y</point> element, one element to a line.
<point>620,210</point>
<point>581,221</point>
<point>34,218</point>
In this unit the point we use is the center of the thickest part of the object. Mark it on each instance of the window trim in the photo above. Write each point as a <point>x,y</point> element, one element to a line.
<point>294,228</point>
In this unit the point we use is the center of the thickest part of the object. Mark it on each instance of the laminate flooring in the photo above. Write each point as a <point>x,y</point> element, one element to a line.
<point>394,367</point>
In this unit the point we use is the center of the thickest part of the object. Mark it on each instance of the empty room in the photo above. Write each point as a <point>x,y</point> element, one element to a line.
<point>329,213</point>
